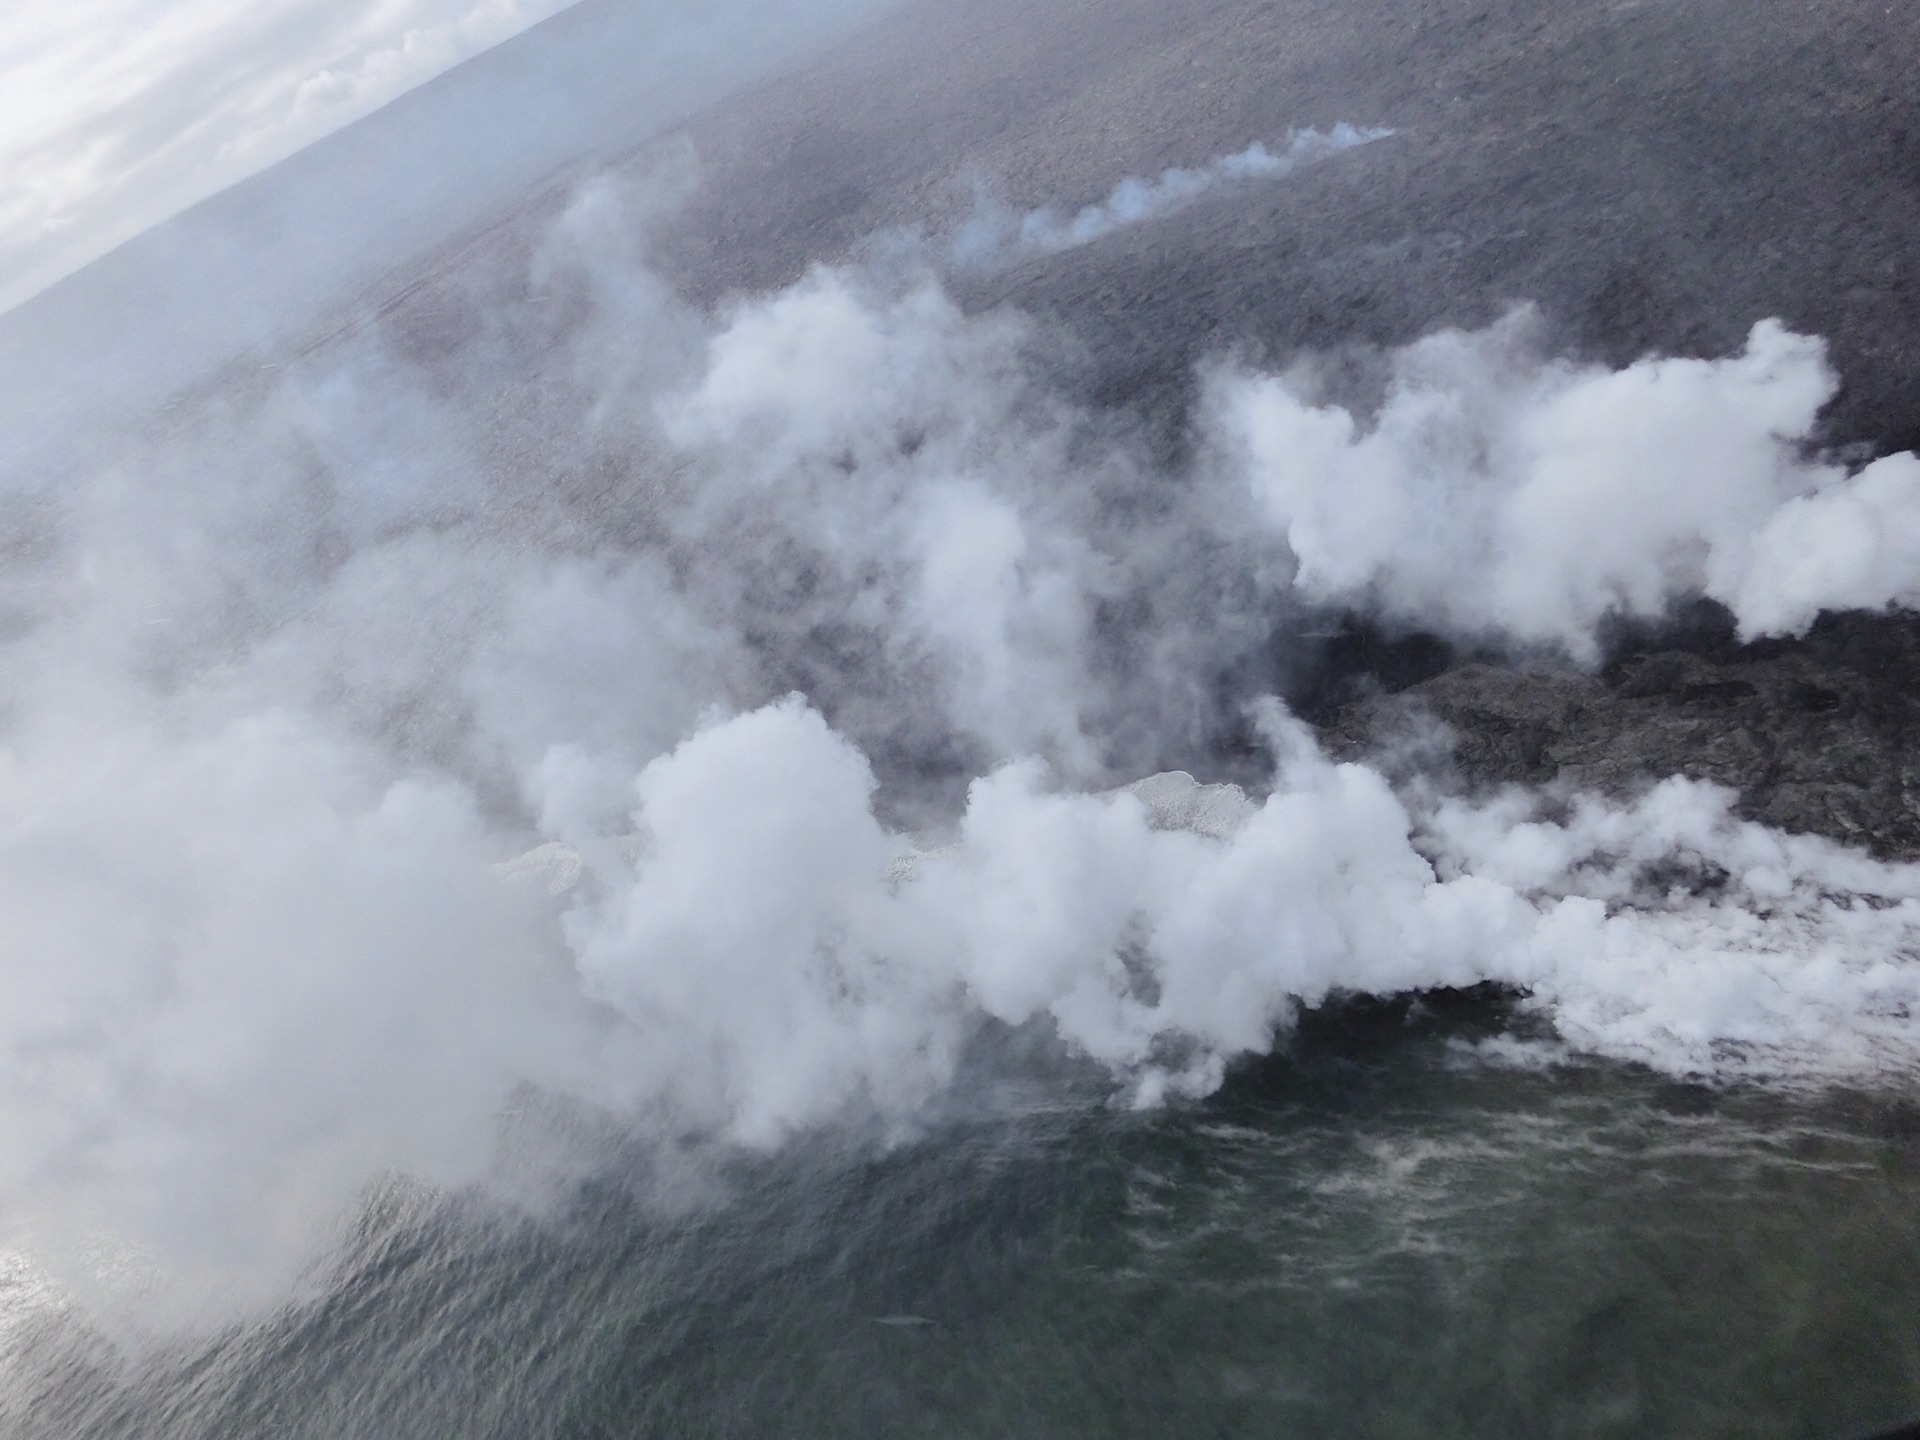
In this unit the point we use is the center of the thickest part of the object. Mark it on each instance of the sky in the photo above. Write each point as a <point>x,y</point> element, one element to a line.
<point>116,114</point>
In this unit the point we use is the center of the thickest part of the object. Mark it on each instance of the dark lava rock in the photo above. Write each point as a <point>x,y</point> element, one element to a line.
<point>1817,734</point>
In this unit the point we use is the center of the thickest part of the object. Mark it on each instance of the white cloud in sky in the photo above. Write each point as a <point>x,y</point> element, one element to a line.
<point>115,114</point>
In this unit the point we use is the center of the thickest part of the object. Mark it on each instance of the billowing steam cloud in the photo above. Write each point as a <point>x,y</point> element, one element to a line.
<point>1494,494</point>
<point>1161,948</point>
<point>714,723</point>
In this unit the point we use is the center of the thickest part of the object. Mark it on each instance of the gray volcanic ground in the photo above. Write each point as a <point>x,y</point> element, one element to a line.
<point>1016,719</point>
<point>1653,178</point>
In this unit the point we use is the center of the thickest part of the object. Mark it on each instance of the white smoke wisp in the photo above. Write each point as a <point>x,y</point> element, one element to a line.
<point>1495,494</point>
<point>994,234</point>
<point>714,722</point>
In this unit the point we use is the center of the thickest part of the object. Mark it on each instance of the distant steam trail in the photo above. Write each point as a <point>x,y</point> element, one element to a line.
<point>994,234</point>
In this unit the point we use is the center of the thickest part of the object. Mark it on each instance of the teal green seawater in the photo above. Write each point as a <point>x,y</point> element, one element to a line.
<point>1378,1231</point>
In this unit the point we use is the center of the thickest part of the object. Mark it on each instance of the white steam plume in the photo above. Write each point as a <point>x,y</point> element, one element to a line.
<point>1496,494</point>
<point>420,733</point>
<point>993,234</point>
<point>1162,949</point>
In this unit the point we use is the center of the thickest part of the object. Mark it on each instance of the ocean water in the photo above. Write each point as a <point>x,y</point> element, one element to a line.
<point>1392,1226</point>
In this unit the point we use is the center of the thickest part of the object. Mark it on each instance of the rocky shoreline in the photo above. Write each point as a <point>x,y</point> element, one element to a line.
<point>1819,734</point>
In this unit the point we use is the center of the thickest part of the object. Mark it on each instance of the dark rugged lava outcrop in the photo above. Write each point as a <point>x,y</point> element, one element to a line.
<point>1819,734</point>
